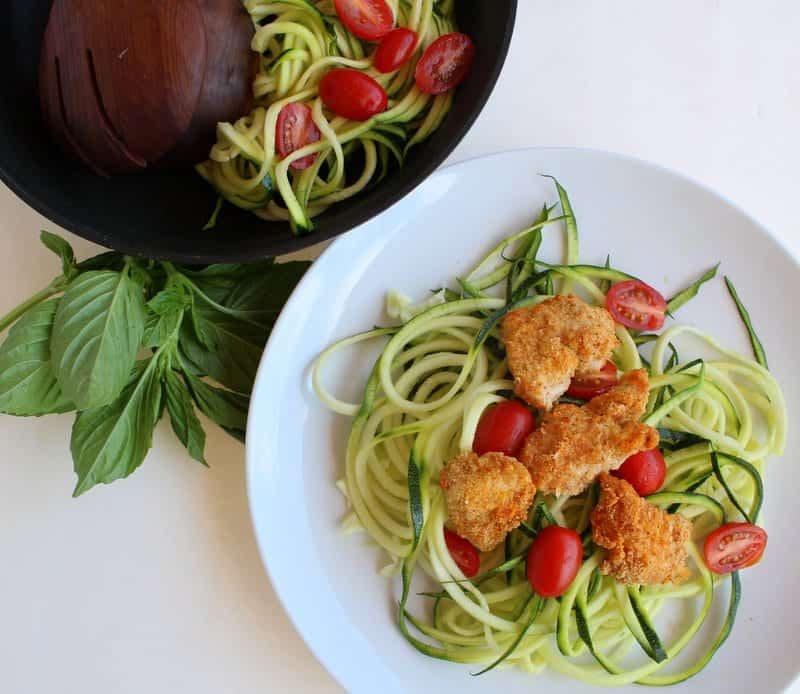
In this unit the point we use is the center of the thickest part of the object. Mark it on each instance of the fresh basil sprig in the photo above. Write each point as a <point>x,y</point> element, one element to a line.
<point>121,340</point>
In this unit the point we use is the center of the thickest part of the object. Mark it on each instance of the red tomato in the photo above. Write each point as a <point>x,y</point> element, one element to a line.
<point>463,553</point>
<point>590,386</point>
<point>734,546</point>
<point>352,94</point>
<point>445,63</point>
<point>367,19</point>
<point>296,129</point>
<point>395,49</point>
<point>503,428</point>
<point>644,471</point>
<point>636,305</point>
<point>553,560</point>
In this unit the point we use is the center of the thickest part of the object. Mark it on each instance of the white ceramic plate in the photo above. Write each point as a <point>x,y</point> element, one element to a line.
<point>655,224</point>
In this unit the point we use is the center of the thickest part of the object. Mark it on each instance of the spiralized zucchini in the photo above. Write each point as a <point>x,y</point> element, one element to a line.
<point>299,40</point>
<point>719,420</point>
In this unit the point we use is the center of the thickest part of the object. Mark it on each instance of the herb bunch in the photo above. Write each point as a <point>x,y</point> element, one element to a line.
<point>120,340</point>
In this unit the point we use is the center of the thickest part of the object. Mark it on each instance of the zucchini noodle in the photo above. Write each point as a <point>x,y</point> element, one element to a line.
<point>299,41</point>
<point>719,418</point>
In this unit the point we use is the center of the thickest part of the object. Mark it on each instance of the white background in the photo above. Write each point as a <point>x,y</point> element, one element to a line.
<point>154,584</point>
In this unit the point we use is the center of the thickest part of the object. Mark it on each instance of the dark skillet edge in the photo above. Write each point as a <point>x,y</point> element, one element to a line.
<point>360,213</point>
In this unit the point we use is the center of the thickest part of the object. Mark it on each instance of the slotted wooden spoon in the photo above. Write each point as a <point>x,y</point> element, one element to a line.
<point>130,84</point>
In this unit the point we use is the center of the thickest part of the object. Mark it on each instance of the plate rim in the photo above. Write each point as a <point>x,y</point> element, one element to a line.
<point>333,668</point>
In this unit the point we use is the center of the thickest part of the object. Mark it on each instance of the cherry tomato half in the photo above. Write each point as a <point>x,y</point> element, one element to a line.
<point>395,49</point>
<point>503,428</point>
<point>734,546</point>
<point>296,129</point>
<point>636,305</point>
<point>445,63</point>
<point>590,386</point>
<point>644,471</point>
<point>367,19</point>
<point>553,560</point>
<point>463,553</point>
<point>352,94</point>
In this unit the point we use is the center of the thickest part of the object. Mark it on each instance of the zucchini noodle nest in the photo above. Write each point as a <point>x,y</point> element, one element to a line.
<point>299,41</point>
<point>718,418</point>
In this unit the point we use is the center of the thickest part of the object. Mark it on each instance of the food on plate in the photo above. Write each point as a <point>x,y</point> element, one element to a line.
<point>486,496</point>
<point>588,386</point>
<point>463,553</point>
<point>503,428</point>
<point>554,560</point>
<point>636,305</point>
<point>646,545</point>
<point>645,471</point>
<point>734,546</point>
<point>554,341</point>
<point>373,78</point>
<point>627,486</point>
<point>573,444</point>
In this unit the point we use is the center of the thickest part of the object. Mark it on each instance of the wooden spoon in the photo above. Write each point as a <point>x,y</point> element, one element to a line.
<point>130,84</point>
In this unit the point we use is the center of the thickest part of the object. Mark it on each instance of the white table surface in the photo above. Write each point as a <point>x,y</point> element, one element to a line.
<point>154,584</point>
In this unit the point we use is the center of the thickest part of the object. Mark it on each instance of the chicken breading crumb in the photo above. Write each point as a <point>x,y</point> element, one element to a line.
<point>551,342</point>
<point>573,445</point>
<point>645,545</point>
<point>487,496</point>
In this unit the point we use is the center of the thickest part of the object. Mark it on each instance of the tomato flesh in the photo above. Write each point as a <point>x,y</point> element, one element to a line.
<point>644,471</point>
<point>395,49</point>
<point>636,305</point>
<point>296,129</point>
<point>587,387</point>
<point>734,546</point>
<point>352,94</point>
<point>553,560</point>
<point>463,553</point>
<point>445,63</point>
<point>503,428</point>
<point>369,20</point>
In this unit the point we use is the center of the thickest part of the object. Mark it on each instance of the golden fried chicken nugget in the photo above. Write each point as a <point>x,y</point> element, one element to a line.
<point>487,496</point>
<point>551,342</point>
<point>626,400</point>
<point>573,445</point>
<point>645,544</point>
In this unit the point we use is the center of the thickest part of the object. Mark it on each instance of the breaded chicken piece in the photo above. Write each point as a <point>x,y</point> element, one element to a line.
<point>626,400</point>
<point>551,342</point>
<point>487,496</point>
<point>573,445</point>
<point>645,544</point>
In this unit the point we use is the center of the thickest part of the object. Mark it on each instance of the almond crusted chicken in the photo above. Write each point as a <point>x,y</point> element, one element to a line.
<point>550,343</point>
<point>573,445</point>
<point>487,496</point>
<point>645,544</point>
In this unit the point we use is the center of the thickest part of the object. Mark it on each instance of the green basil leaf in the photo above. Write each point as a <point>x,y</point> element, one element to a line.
<point>217,281</point>
<point>261,297</point>
<point>97,332</point>
<point>158,329</point>
<point>63,250</point>
<point>184,421</point>
<point>229,350</point>
<point>238,434</point>
<point>111,260</point>
<point>165,313</point>
<point>110,442</point>
<point>203,330</point>
<point>28,385</point>
<point>223,407</point>
<point>172,298</point>
<point>140,275</point>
